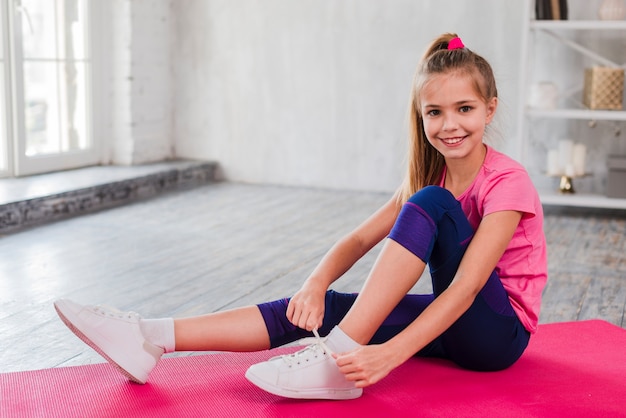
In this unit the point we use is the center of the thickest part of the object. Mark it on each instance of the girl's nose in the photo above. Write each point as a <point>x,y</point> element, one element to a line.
<point>449,122</point>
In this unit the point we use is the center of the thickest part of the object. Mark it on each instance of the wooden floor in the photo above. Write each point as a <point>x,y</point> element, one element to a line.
<point>226,245</point>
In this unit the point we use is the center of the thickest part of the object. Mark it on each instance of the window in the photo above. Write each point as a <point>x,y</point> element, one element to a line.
<point>47,92</point>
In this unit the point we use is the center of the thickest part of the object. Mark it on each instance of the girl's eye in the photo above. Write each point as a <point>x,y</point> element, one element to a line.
<point>433,112</point>
<point>465,109</point>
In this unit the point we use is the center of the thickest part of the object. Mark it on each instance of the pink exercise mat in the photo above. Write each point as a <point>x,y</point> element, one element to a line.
<point>573,369</point>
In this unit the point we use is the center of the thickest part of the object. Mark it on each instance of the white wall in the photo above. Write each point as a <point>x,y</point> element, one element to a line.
<point>137,104</point>
<point>314,92</point>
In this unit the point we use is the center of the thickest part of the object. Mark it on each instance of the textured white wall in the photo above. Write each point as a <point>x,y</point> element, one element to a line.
<point>117,102</point>
<point>314,92</point>
<point>139,80</point>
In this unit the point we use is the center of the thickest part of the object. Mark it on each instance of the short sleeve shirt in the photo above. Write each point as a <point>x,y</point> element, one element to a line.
<point>503,184</point>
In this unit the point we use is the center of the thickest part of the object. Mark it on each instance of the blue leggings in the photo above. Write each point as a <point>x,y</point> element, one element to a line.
<point>432,225</point>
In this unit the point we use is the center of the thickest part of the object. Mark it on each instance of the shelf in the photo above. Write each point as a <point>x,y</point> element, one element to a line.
<point>585,114</point>
<point>582,37</point>
<point>582,200</point>
<point>579,24</point>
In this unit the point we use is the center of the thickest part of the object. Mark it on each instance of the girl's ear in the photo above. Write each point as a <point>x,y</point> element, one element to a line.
<point>491,109</point>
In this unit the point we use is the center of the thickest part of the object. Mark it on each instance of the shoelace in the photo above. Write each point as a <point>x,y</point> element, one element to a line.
<point>115,313</point>
<point>315,346</point>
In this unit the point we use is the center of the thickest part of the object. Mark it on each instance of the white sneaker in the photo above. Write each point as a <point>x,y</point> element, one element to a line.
<point>115,335</point>
<point>310,373</point>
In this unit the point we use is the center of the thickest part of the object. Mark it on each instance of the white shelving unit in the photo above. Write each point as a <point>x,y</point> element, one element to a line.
<point>578,24</point>
<point>570,34</point>
<point>583,200</point>
<point>577,114</point>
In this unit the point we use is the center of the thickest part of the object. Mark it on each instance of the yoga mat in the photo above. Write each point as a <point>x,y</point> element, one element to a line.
<point>573,369</point>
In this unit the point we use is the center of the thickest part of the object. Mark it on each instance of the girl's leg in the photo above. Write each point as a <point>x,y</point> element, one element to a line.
<point>337,305</point>
<point>241,329</point>
<point>395,272</point>
<point>281,331</point>
<point>254,328</point>
<point>488,336</point>
<point>135,345</point>
<point>431,227</point>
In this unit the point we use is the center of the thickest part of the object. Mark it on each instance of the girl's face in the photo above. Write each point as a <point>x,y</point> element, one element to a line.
<point>455,116</point>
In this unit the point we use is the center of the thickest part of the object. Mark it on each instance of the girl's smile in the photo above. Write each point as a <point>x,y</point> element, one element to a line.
<point>453,141</point>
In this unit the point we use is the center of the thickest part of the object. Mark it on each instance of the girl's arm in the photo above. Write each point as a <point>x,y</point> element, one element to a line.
<point>306,307</point>
<point>369,364</point>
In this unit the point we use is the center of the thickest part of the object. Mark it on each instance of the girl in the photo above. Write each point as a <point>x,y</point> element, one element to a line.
<point>466,210</point>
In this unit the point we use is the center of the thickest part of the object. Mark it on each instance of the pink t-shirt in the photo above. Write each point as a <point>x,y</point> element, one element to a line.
<point>503,184</point>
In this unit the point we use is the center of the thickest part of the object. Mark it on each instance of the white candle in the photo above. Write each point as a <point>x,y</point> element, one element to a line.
<point>569,170</point>
<point>579,153</point>
<point>553,163</point>
<point>566,148</point>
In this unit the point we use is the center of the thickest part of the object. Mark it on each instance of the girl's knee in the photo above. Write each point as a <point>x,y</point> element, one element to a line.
<point>437,201</point>
<point>430,194</point>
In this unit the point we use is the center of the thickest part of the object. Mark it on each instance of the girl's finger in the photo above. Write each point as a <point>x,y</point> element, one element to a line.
<point>303,320</point>
<point>295,319</point>
<point>312,323</point>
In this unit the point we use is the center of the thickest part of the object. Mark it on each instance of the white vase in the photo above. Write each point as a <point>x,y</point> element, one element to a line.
<point>543,95</point>
<point>612,10</point>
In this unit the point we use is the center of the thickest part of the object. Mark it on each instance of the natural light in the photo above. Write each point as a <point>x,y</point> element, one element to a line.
<point>49,85</point>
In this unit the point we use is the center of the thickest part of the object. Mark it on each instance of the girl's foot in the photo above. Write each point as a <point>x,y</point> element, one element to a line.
<point>310,373</point>
<point>115,335</point>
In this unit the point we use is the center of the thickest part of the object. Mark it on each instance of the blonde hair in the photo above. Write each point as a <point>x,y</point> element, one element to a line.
<point>425,164</point>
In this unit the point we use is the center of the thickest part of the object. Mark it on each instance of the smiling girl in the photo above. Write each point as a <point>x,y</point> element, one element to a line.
<point>467,211</point>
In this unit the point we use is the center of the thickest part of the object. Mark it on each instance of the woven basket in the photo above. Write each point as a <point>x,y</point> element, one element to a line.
<point>604,88</point>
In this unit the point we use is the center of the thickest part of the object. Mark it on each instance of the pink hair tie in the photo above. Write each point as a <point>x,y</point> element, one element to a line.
<point>455,43</point>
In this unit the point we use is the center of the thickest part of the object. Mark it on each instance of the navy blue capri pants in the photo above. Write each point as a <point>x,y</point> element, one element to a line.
<point>432,225</point>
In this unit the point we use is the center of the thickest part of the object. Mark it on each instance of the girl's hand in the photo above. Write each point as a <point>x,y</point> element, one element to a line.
<point>365,365</point>
<point>306,307</point>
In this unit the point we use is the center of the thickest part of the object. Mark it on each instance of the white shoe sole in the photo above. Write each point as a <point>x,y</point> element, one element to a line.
<point>317,393</point>
<point>137,379</point>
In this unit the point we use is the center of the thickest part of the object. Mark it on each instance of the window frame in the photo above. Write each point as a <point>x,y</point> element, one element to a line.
<point>18,163</point>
